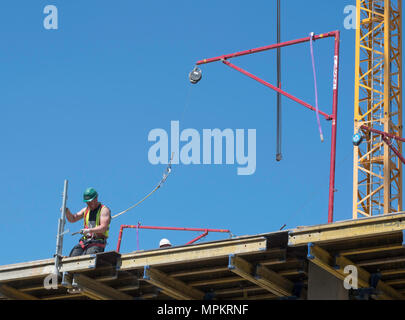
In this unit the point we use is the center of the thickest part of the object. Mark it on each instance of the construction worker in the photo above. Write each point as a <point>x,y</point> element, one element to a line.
<point>164,243</point>
<point>97,218</point>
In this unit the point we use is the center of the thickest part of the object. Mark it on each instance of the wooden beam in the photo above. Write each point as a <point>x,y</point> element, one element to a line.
<point>79,293</point>
<point>198,271</point>
<point>208,282</point>
<point>387,290</point>
<point>191,253</point>
<point>380,261</point>
<point>345,230</point>
<point>96,290</point>
<point>261,276</point>
<point>395,282</point>
<point>392,272</point>
<point>237,290</point>
<point>336,266</point>
<point>170,286</point>
<point>14,294</point>
<point>42,268</point>
<point>357,251</point>
<point>257,297</point>
<point>282,286</point>
<point>63,296</point>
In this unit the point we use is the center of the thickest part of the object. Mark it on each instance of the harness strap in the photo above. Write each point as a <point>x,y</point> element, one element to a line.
<point>96,245</point>
<point>316,86</point>
<point>92,243</point>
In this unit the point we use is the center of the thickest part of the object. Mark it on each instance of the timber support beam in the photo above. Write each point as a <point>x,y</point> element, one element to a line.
<point>96,290</point>
<point>337,267</point>
<point>261,276</point>
<point>170,286</point>
<point>14,294</point>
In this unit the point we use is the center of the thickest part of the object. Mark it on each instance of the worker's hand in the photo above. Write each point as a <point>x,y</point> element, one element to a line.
<point>85,232</point>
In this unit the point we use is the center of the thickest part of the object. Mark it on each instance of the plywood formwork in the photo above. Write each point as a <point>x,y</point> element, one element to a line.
<point>265,266</point>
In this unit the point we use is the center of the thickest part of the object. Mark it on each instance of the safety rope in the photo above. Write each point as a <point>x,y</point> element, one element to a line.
<point>316,87</point>
<point>161,182</point>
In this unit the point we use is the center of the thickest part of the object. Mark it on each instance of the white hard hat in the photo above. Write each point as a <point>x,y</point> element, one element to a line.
<point>164,243</point>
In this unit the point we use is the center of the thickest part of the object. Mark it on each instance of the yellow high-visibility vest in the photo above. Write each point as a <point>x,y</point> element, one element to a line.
<point>87,216</point>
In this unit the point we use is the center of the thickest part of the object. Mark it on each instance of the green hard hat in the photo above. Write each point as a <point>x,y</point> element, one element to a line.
<point>89,195</point>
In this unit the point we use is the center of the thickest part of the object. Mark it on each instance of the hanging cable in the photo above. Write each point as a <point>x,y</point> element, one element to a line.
<point>316,87</point>
<point>278,154</point>
<point>161,182</point>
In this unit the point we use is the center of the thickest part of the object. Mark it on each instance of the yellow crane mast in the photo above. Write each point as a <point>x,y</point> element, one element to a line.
<point>377,170</point>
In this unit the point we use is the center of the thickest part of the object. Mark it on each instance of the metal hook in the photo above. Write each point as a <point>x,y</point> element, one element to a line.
<point>195,75</point>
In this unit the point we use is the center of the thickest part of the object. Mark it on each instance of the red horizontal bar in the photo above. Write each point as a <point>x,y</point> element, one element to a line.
<point>176,229</point>
<point>327,116</point>
<point>265,48</point>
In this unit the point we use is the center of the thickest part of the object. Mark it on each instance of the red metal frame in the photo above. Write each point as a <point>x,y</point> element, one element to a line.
<point>333,116</point>
<point>385,137</point>
<point>204,230</point>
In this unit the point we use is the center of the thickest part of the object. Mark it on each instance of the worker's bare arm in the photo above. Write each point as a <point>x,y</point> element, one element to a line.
<point>74,217</point>
<point>105,217</point>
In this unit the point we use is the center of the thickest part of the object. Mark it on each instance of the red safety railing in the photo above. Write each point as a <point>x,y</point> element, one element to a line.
<point>139,226</point>
<point>331,117</point>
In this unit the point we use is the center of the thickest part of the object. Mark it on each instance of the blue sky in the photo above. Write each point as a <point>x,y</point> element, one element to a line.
<point>78,103</point>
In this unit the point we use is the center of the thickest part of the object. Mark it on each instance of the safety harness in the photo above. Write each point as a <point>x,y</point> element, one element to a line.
<point>93,241</point>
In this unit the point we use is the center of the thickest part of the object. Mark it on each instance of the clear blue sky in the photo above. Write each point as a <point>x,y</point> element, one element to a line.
<point>78,103</point>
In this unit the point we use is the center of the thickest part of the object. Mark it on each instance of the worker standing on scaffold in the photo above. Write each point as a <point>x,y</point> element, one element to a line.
<point>97,218</point>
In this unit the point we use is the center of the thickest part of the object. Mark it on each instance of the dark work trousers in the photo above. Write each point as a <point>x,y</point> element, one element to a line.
<point>89,246</point>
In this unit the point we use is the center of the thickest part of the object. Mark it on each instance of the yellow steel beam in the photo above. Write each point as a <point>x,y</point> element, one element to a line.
<point>387,106</point>
<point>170,286</point>
<point>378,104</point>
<point>96,290</point>
<point>261,276</point>
<point>14,294</point>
